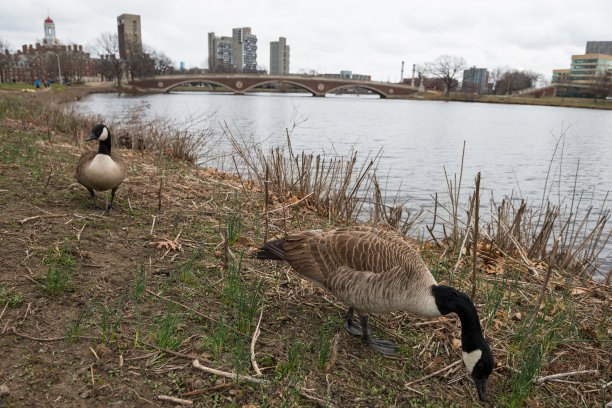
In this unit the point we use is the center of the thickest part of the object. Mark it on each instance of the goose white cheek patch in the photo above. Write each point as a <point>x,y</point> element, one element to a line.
<point>470,359</point>
<point>104,135</point>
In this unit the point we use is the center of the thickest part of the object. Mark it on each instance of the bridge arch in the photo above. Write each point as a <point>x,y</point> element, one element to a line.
<point>201,81</point>
<point>363,86</point>
<point>284,81</point>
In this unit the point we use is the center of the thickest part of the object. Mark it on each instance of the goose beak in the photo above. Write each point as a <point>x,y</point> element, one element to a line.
<point>91,137</point>
<point>481,387</point>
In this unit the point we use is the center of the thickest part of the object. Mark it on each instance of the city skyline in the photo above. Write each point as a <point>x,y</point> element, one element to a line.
<point>537,36</point>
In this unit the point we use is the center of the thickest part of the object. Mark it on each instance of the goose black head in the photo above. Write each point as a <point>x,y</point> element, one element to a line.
<point>477,355</point>
<point>479,362</point>
<point>100,133</point>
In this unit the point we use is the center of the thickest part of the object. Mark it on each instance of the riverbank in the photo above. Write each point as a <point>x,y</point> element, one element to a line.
<point>100,308</point>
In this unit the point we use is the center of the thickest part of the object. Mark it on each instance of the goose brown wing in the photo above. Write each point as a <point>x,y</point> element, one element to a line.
<point>309,255</point>
<point>82,164</point>
<point>119,161</point>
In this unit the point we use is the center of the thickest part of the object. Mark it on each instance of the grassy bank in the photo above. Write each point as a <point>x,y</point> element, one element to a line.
<point>519,100</point>
<point>107,308</point>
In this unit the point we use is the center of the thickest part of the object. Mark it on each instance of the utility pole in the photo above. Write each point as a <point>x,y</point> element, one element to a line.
<point>413,69</point>
<point>402,75</point>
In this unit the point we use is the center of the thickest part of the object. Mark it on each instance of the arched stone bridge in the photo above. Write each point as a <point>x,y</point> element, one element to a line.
<point>241,83</point>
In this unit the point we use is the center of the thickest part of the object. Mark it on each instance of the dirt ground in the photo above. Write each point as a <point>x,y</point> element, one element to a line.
<point>113,308</point>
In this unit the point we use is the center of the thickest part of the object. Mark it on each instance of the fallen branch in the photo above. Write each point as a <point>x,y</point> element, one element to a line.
<point>542,380</point>
<point>175,400</point>
<point>35,217</point>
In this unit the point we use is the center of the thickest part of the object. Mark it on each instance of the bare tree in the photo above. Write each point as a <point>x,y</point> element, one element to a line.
<point>5,58</point>
<point>162,64</point>
<point>111,65</point>
<point>507,81</point>
<point>446,68</point>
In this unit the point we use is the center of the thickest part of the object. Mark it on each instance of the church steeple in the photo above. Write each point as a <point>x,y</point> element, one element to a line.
<point>49,32</point>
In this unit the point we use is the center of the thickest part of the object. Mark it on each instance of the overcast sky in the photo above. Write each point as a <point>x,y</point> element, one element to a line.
<point>366,37</point>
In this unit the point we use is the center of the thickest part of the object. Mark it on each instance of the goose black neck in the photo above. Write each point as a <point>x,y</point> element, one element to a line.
<point>450,300</point>
<point>105,146</point>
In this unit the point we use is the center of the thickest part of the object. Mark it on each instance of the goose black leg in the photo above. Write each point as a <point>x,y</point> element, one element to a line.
<point>110,206</point>
<point>350,326</point>
<point>93,195</point>
<point>382,346</point>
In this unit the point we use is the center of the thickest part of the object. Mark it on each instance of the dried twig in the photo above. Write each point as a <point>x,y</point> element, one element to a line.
<point>475,238</point>
<point>152,225</point>
<point>253,341</point>
<point>433,374</point>
<point>233,376</point>
<point>35,217</point>
<point>541,380</point>
<point>551,261</point>
<point>175,400</point>
<point>3,310</point>
<point>290,205</point>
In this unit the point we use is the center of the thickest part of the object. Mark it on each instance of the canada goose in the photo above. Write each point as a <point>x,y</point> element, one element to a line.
<point>376,271</point>
<point>101,170</point>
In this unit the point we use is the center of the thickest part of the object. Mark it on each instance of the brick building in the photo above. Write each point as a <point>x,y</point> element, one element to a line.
<point>45,61</point>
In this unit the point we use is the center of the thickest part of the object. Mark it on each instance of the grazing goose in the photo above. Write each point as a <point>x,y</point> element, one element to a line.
<point>376,271</point>
<point>101,170</point>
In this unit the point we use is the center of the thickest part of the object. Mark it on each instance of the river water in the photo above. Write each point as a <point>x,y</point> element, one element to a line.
<point>511,145</point>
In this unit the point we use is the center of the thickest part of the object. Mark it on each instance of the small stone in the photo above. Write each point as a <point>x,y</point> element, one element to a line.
<point>517,316</point>
<point>198,385</point>
<point>4,390</point>
<point>219,381</point>
<point>85,394</point>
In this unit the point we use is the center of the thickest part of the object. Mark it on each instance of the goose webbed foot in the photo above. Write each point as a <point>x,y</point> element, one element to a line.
<point>350,326</point>
<point>385,347</point>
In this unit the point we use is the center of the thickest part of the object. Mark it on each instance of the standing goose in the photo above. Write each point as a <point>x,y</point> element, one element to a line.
<point>101,170</point>
<point>376,271</point>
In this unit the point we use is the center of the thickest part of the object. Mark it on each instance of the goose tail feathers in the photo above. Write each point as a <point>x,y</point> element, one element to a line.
<point>273,250</point>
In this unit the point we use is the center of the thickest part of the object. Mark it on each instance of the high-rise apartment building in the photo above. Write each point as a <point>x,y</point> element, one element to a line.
<point>475,79</point>
<point>279,57</point>
<point>220,57</point>
<point>128,32</point>
<point>238,52</point>
<point>244,49</point>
